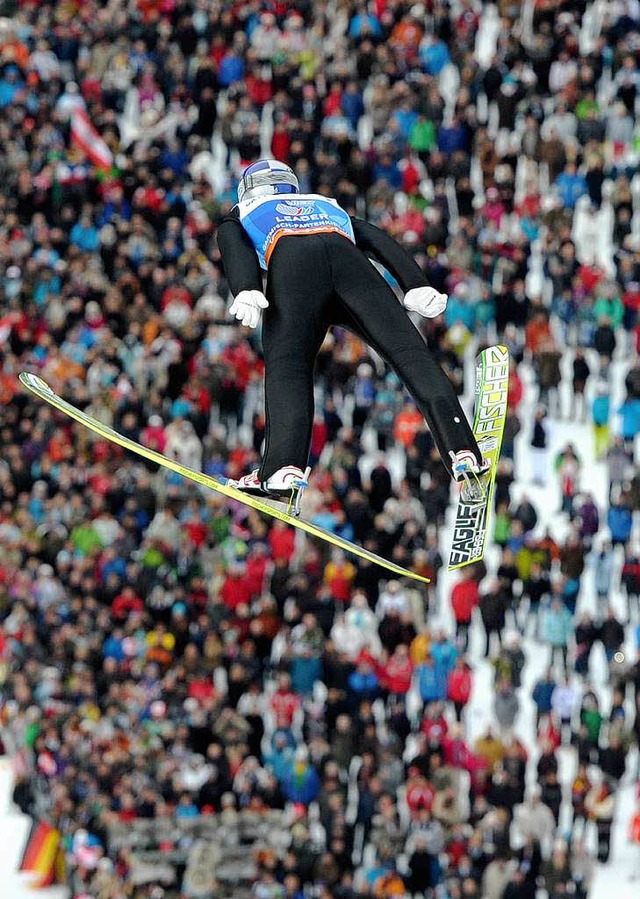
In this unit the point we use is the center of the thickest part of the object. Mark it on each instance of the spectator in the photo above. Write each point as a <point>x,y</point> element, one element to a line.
<point>600,411</point>
<point>611,634</point>
<point>506,705</point>
<point>600,805</point>
<point>464,599</point>
<point>542,695</point>
<point>431,681</point>
<point>556,626</point>
<point>629,413</point>
<point>581,373</point>
<point>547,364</point>
<point>567,466</point>
<point>620,522</point>
<point>564,701</point>
<point>539,447</point>
<point>492,612</point>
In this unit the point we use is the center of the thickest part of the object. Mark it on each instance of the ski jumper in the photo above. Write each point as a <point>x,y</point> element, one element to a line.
<point>319,275</point>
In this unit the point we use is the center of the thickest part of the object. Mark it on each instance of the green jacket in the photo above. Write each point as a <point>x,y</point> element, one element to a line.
<point>423,136</point>
<point>592,720</point>
<point>502,529</point>
<point>612,309</point>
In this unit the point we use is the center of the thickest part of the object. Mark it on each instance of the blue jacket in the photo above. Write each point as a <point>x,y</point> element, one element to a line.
<point>459,311</point>
<point>629,412</point>
<point>85,238</point>
<point>600,410</point>
<point>301,786</point>
<point>364,23</point>
<point>8,91</point>
<point>444,655</point>
<point>542,695</point>
<point>231,69</point>
<point>602,573</point>
<point>115,566</point>
<point>176,160</point>
<point>406,121</point>
<point>353,108</point>
<point>389,173</point>
<point>364,684</point>
<point>556,626</point>
<point>281,762</point>
<point>451,139</point>
<point>112,649</point>
<point>432,683</point>
<point>619,521</point>
<point>570,188</point>
<point>434,58</point>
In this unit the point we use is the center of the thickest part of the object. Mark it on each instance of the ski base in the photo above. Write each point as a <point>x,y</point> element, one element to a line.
<point>42,390</point>
<point>471,526</point>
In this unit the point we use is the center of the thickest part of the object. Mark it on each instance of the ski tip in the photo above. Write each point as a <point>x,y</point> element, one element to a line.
<point>419,577</point>
<point>33,382</point>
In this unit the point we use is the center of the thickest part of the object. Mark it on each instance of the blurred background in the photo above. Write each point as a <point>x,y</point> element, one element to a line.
<point>198,702</point>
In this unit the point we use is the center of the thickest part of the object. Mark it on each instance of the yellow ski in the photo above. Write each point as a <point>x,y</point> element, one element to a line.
<point>42,390</point>
<point>472,520</point>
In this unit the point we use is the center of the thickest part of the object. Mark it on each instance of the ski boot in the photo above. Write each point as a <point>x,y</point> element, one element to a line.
<point>288,484</point>
<point>469,474</point>
<point>283,489</point>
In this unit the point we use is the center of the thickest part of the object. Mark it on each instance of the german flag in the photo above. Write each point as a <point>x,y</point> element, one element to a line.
<point>41,853</point>
<point>57,871</point>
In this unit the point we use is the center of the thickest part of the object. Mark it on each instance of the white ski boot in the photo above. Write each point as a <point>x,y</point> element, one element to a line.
<point>285,486</point>
<point>468,472</point>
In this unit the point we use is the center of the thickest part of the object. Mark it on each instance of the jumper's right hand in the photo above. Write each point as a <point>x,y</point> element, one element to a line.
<point>247,305</point>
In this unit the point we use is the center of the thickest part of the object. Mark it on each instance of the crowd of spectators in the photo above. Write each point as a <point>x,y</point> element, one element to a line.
<point>165,654</point>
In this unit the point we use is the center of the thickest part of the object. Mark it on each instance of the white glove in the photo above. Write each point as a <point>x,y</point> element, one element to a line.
<point>426,301</point>
<point>247,305</point>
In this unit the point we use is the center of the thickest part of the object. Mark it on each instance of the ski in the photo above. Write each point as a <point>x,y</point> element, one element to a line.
<point>473,517</point>
<point>42,390</point>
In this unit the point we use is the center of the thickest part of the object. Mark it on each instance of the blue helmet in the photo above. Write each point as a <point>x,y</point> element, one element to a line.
<point>267,177</point>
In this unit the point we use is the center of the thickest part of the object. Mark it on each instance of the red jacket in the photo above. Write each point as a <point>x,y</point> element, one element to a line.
<point>434,728</point>
<point>459,685</point>
<point>455,752</point>
<point>197,531</point>
<point>235,591</point>
<point>338,577</point>
<point>256,573</point>
<point>282,543</point>
<point>123,605</point>
<point>634,828</point>
<point>396,675</point>
<point>515,391</point>
<point>464,599</point>
<point>284,704</point>
<point>318,437</point>
<point>420,794</point>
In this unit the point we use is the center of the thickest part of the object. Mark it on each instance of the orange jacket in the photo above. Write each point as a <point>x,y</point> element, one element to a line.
<point>406,426</point>
<point>634,828</point>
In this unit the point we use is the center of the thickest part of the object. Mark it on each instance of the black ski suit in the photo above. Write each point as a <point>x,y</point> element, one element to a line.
<point>314,281</point>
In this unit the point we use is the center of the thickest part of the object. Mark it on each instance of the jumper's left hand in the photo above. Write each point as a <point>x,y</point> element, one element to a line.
<point>426,301</point>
